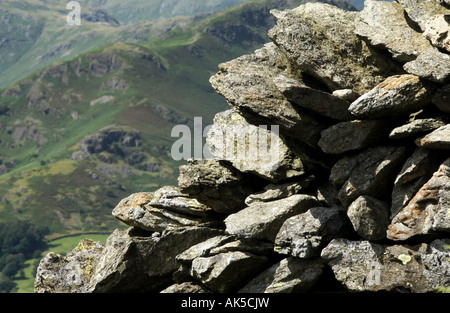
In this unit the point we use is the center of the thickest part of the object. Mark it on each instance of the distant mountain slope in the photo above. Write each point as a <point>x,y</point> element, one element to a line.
<point>34,33</point>
<point>79,135</point>
<point>133,11</point>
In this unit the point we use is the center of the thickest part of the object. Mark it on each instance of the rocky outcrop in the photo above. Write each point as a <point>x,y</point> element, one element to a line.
<point>263,220</point>
<point>111,139</point>
<point>164,209</point>
<point>386,26</point>
<point>264,103</point>
<point>437,31</point>
<point>397,95</point>
<point>233,139</point>
<point>367,266</point>
<point>216,183</point>
<point>432,65</point>
<point>346,61</point>
<point>420,12</point>
<point>428,212</point>
<point>359,185</point>
<point>303,235</point>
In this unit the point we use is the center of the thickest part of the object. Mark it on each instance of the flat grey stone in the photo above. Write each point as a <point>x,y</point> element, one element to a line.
<point>431,64</point>
<point>384,24</point>
<point>397,95</point>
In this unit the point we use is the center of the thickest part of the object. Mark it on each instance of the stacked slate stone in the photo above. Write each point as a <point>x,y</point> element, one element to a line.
<point>356,197</point>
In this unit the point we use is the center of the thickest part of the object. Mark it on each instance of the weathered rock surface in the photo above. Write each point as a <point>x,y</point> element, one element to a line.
<point>360,188</point>
<point>416,171</point>
<point>137,210</point>
<point>317,101</point>
<point>368,173</point>
<point>223,263</point>
<point>431,64</point>
<point>428,212</point>
<point>441,99</point>
<point>225,272</point>
<point>263,220</point>
<point>302,235</point>
<point>186,287</point>
<point>417,165</point>
<point>329,49</point>
<point>438,139</point>
<point>365,266</point>
<point>290,275</point>
<point>132,262</point>
<point>252,149</point>
<point>384,24</point>
<point>402,194</point>
<point>353,135</point>
<point>70,273</point>
<point>421,11</point>
<point>171,198</point>
<point>224,243</point>
<point>248,85</point>
<point>399,94</point>
<point>416,127</point>
<point>369,217</point>
<point>437,31</point>
<point>275,191</point>
<point>215,183</point>
<point>346,94</point>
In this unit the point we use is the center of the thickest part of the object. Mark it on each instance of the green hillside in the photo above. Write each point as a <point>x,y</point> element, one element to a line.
<point>35,33</point>
<point>80,134</point>
<point>47,114</point>
<point>133,11</point>
<point>121,90</point>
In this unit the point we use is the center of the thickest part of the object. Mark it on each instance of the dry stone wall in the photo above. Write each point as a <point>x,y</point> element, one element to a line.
<point>358,195</point>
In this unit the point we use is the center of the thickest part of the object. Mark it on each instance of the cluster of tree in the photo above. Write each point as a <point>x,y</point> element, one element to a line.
<point>3,109</point>
<point>19,241</point>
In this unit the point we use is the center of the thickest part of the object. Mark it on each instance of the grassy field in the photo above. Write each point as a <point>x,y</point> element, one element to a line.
<point>25,280</point>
